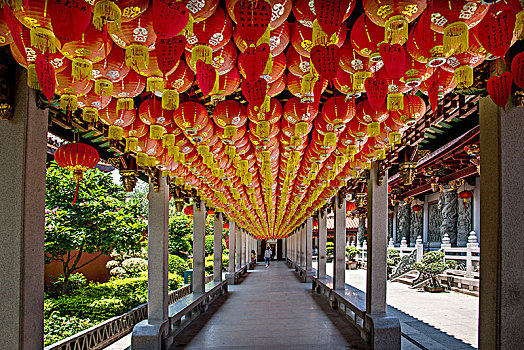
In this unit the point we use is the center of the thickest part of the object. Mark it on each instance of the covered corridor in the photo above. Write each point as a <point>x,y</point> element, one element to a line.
<point>270,309</point>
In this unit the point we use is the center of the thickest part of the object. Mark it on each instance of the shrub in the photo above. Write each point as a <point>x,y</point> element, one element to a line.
<point>225,260</point>
<point>330,247</point>
<point>177,265</point>
<point>432,265</point>
<point>76,281</point>
<point>209,245</point>
<point>351,252</point>
<point>393,257</point>
<point>58,327</point>
<point>134,266</point>
<point>209,264</point>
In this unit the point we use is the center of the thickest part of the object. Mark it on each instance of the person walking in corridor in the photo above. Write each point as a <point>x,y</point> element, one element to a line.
<point>267,256</point>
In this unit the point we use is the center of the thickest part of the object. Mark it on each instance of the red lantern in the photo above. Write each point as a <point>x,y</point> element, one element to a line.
<point>425,45</point>
<point>253,19</point>
<point>113,68</point>
<point>228,83</point>
<point>77,157</point>
<point>517,69</point>
<point>170,18</point>
<point>350,206</point>
<point>338,111</point>
<point>191,117</point>
<point>302,39</point>
<point>181,79</point>
<point>69,18</point>
<point>366,37</point>
<point>215,31</point>
<point>117,120</point>
<point>201,9</point>
<point>465,195</point>
<point>325,59</point>
<point>297,64</point>
<point>277,86</point>
<point>499,88</point>
<point>188,210</point>
<point>416,208</point>
<point>5,33</point>
<point>496,32</point>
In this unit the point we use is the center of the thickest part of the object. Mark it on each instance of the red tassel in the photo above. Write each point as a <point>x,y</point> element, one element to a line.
<point>76,191</point>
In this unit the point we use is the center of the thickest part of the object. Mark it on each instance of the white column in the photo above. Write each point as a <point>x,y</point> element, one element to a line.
<point>395,224</point>
<point>377,243</point>
<point>501,302</point>
<point>22,194</point>
<point>158,253</point>
<point>231,268</point>
<point>322,241</point>
<point>303,247</point>
<point>217,247</point>
<point>199,246</point>
<point>309,248</point>
<point>239,249</point>
<point>384,329</point>
<point>248,249</point>
<point>339,266</point>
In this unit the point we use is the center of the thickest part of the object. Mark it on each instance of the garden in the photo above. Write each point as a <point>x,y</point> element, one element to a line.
<point>105,221</point>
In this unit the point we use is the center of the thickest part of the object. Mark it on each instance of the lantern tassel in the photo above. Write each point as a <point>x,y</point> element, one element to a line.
<point>106,11</point>
<point>124,104</point>
<point>115,132</point>
<point>82,69</point>
<point>395,102</point>
<point>42,39</point>
<point>103,87</point>
<point>137,56</point>
<point>396,30</point>
<point>456,38</point>
<point>32,79</point>
<point>76,191</point>
<point>170,100</point>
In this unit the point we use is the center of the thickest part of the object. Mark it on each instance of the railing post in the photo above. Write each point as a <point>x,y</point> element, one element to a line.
<point>217,246</point>
<point>339,266</point>
<point>239,249</point>
<point>472,244</point>
<point>384,329</point>
<point>199,246</point>
<point>419,246</point>
<point>322,242</point>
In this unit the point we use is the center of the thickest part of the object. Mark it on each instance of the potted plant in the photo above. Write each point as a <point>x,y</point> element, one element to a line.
<point>393,260</point>
<point>330,247</point>
<point>351,253</point>
<point>431,266</point>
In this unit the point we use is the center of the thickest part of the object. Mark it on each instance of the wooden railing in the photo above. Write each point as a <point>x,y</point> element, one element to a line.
<point>109,331</point>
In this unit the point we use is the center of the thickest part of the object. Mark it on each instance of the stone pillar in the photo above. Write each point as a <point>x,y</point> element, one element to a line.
<point>148,334</point>
<point>217,246</point>
<point>248,248</point>
<point>322,241</point>
<point>22,193</point>
<point>416,227</point>
<point>394,224</point>
<point>403,222</point>
<point>303,243</point>
<point>158,253</point>
<point>239,249</point>
<point>230,276</point>
<point>361,231</point>
<point>449,213</point>
<point>309,248</point>
<point>425,221</point>
<point>501,303</point>
<point>199,247</point>
<point>464,225</point>
<point>384,330</point>
<point>339,261</point>
<point>476,208</point>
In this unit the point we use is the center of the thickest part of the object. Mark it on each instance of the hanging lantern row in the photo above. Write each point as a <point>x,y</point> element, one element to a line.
<point>266,165</point>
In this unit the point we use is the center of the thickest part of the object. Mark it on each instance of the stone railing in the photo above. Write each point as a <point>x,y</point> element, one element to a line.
<point>109,331</point>
<point>467,258</point>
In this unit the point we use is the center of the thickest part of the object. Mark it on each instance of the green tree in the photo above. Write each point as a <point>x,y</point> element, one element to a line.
<point>101,221</point>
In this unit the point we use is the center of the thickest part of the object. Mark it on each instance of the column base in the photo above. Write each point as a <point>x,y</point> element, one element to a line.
<point>384,331</point>
<point>230,278</point>
<point>148,336</point>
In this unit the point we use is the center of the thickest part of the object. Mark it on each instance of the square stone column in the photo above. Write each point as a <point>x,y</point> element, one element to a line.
<point>501,303</point>
<point>322,242</point>
<point>309,248</point>
<point>199,247</point>
<point>384,329</point>
<point>157,252</point>
<point>303,245</point>
<point>217,246</point>
<point>248,248</point>
<point>339,261</point>
<point>230,276</point>
<point>22,194</point>
<point>239,248</point>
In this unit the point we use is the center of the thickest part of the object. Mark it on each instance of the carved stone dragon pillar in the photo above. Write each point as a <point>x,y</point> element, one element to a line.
<point>449,213</point>
<point>361,232</point>
<point>416,226</point>
<point>464,222</point>
<point>403,222</point>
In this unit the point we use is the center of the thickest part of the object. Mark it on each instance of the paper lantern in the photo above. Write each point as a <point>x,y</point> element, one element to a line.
<point>70,88</point>
<point>69,18</point>
<point>252,62</point>
<point>414,109</point>
<point>303,41</point>
<point>305,13</point>
<point>191,117</point>
<point>117,120</point>
<point>229,113</point>
<point>277,86</point>
<point>297,64</point>
<point>425,45</point>
<point>181,79</point>
<point>465,195</point>
<point>253,19</point>
<point>437,86</point>
<point>91,48</point>
<point>280,10</point>
<point>152,114</point>
<point>201,9</point>
<point>128,88</point>
<point>394,16</point>
<point>325,59</point>
<point>170,18</point>
<point>517,70</point>
<point>351,61</point>
<point>416,208</point>
<point>495,32</point>
<point>394,59</point>
<point>366,37</point>
<point>214,31</point>
<point>5,33</point>
<point>454,19</point>
<point>77,157</point>
<point>228,83</point>
<point>499,88</point>
<point>338,111</point>
<point>113,68</point>
<point>296,111</point>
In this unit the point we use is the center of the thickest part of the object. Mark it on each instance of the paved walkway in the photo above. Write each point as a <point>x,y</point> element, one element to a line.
<point>270,309</point>
<point>430,320</point>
